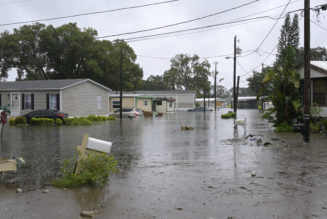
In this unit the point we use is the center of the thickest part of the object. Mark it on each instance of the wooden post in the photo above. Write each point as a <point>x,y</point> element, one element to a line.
<point>82,151</point>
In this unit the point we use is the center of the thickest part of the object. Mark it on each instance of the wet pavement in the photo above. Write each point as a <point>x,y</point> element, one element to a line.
<point>209,172</point>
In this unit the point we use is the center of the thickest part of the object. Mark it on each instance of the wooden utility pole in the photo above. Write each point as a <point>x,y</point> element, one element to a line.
<point>307,80</point>
<point>121,84</point>
<point>234,77</point>
<point>215,86</point>
<point>237,88</point>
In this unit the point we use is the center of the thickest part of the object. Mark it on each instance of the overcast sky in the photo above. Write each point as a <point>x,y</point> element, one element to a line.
<point>154,54</point>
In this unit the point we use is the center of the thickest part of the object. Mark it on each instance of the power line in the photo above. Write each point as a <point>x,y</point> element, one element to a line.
<point>318,25</point>
<point>183,22</point>
<point>151,36</point>
<point>89,13</point>
<point>196,28</point>
<point>260,63</point>
<point>269,32</point>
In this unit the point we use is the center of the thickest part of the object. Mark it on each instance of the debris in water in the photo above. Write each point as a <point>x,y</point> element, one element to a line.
<point>19,190</point>
<point>179,209</point>
<point>87,213</point>
<point>45,191</point>
<point>187,128</point>
<point>253,173</point>
<point>266,144</point>
<point>259,141</point>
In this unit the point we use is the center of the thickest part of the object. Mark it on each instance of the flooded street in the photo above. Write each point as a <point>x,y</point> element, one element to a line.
<point>209,172</point>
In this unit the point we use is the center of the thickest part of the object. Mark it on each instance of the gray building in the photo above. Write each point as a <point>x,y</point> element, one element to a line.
<point>184,99</point>
<point>77,97</point>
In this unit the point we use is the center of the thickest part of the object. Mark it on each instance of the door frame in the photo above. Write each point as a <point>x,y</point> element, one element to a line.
<point>19,101</point>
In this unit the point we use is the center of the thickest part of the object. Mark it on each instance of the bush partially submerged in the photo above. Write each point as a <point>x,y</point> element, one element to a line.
<point>42,121</point>
<point>20,120</point>
<point>77,121</point>
<point>228,115</point>
<point>284,127</point>
<point>95,169</point>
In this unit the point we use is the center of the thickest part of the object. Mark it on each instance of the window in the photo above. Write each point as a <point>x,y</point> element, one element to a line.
<point>319,92</point>
<point>99,102</point>
<point>28,101</point>
<point>116,104</point>
<point>145,103</point>
<point>159,102</point>
<point>170,104</point>
<point>52,101</point>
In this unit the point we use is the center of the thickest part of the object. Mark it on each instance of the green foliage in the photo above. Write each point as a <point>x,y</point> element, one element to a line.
<point>228,115</point>
<point>20,120</point>
<point>284,82</point>
<point>39,52</point>
<point>284,127</point>
<point>42,121</point>
<point>155,82</point>
<point>11,121</point>
<point>77,121</point>
<point>94,118</point>
<point>187,72</point>
<point>323,123</point>
<point>197,104</point>
<point>95,169</point>
<point>58,122</point>
<point>315,113</point>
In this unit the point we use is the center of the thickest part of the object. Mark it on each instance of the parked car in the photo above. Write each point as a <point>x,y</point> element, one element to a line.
<point>129,112</point>
<point>198,109</point>
<point>51,114</point>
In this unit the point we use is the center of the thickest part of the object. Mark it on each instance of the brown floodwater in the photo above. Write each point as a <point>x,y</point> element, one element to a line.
<point>209,172</point>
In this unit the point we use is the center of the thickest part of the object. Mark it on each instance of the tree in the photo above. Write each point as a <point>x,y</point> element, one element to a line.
<point>316,54</point>
<point>46,52</point>
<point>222,92</point>
<point>200,79</point>
<point>284,82</point>
<point>155,82</point>
<point>289,36</point>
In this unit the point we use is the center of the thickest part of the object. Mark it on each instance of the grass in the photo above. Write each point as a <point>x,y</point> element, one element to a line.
<point>284,127</point>
<point>94,170</point>
<point>228,115</point>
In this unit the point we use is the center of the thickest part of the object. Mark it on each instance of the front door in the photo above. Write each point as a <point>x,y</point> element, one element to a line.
<point>15,104</point>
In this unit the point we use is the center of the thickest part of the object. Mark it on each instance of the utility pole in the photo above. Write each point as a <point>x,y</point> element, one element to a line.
<point>238,85</point>
<point>215,86</point>
<point>121,84</point>
<point>234,77</point>
<point>307,80</point>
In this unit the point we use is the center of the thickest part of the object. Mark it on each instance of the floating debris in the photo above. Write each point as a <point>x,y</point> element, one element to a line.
<point>187,128</point>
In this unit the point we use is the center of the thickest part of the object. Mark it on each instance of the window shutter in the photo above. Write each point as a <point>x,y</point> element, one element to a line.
<point>58,101</point>
<point>32,101</point>
<point>0,101</point>
<point>47,101</point>
<point>23,101</point>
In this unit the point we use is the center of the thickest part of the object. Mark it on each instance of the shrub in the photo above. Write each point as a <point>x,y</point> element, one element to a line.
<point>94,169</point>
<point>92,118</point>
<point>111,117</point>
<point>77,121</point>
<point>58,122</point>
<point>20,120</point>
<point>42,121</point>
<point>11,121</point>
<point>228,115</point>
<point>284,127</point>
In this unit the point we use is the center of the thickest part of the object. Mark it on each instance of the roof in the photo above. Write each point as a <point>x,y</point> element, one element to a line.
<point>164,92</point>
<point>44,84</point>
<point>319,66</point>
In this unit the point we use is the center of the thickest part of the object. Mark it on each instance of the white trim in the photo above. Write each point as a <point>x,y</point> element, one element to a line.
<point>19,103</point>
<point>60,99</point>
<point>77,83</point>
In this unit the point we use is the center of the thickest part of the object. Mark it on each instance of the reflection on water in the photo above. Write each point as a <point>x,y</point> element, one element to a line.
<point>45,148</point>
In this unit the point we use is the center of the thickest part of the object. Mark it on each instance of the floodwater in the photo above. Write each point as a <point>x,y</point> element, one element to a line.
<point>209,172</point>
